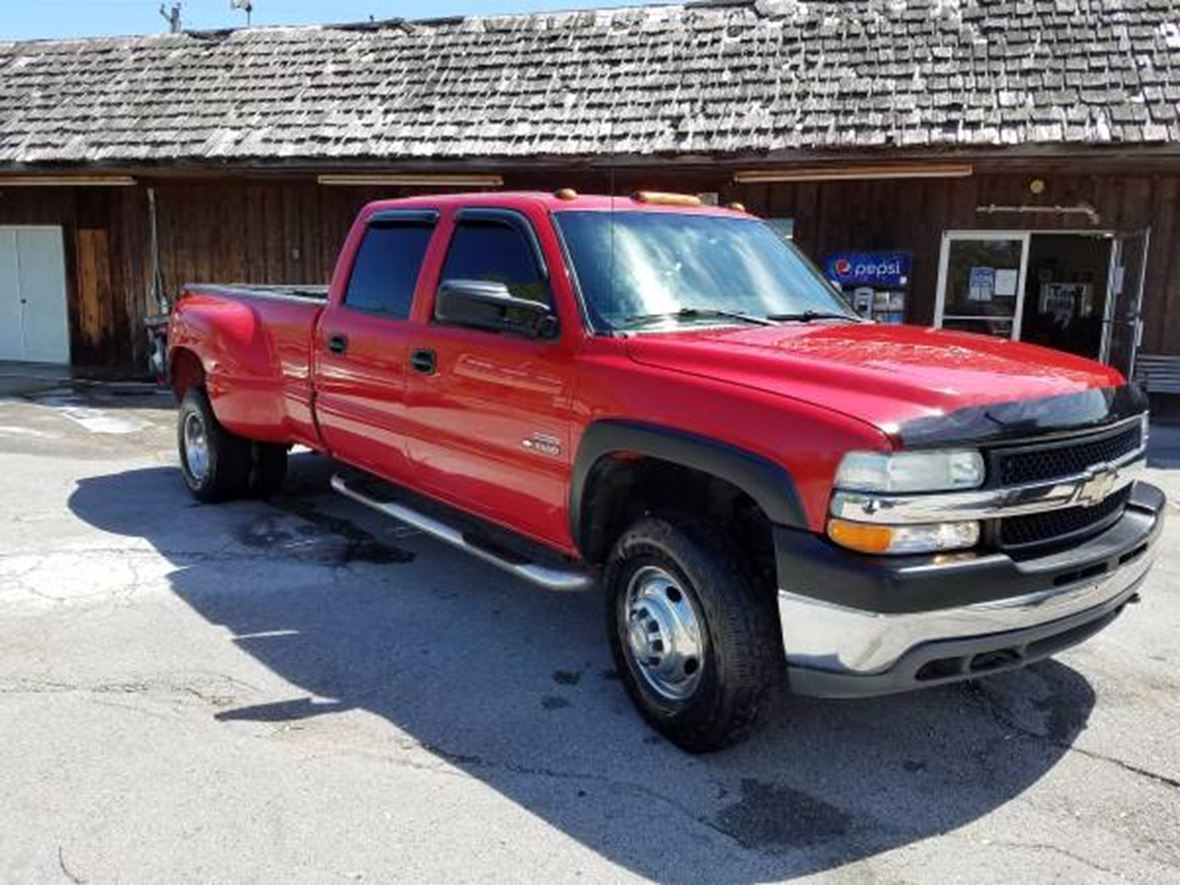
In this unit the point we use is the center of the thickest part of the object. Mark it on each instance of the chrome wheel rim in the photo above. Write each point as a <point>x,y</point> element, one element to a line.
<point>662,633</point>
<point>196,447</point>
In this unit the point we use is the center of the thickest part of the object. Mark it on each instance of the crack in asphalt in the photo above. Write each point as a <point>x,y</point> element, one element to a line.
<point>69,874</point>
<point>1005,720</point>
<point>477,761</point>
<point>133,687</point>
<point>473,760</point>
<point>1057,849</point>
<point>731,838</point>
<point>1162,779</point>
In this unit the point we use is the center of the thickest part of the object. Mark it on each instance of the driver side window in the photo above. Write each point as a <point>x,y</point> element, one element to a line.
<point>493,251</point>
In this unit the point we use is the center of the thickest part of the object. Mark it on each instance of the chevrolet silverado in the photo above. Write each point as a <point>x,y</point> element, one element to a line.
<point>667,401</point>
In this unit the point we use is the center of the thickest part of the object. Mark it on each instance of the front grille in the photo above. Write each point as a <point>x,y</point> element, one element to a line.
<point>1029,464</point>
<point>1065,524</point>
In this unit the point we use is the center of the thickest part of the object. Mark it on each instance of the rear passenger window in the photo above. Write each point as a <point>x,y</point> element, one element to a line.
<point>386,268</point>
<point>495,252</point>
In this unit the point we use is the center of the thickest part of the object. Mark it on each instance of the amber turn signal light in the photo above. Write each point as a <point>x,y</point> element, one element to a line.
<point>860,536</point>
<point>928,538</point>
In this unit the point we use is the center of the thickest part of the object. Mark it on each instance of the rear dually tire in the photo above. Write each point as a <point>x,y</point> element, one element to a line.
<point>216,464</point>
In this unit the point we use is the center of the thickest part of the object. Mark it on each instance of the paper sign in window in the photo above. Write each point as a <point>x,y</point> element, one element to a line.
<point>1006,281</point>
<point>981,285</point>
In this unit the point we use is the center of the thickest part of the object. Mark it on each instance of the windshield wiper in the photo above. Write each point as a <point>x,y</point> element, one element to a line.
<point>696,313</point>
<point>806,316</point>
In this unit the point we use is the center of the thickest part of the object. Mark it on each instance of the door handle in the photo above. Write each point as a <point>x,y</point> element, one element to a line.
<point>337,343</point>
<point>423,360</point>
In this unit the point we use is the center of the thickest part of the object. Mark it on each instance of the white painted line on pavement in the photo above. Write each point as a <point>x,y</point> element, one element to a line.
<point>98,421</point>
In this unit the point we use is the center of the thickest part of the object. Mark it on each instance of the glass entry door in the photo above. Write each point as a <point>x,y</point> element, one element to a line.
<point>981,282</point>
<point>1123,322</point>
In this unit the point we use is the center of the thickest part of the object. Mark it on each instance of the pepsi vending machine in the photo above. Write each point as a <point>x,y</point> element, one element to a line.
<point>875,283</point>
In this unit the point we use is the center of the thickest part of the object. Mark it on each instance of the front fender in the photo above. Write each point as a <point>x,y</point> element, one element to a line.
<point>767,483</point>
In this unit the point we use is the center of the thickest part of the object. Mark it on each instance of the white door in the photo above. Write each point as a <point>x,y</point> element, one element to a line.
<point>33,323</point>
<point>12,345</point>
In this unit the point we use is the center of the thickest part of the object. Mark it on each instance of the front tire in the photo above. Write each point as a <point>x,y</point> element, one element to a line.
<point>215,463</point>
<point>694,638</point>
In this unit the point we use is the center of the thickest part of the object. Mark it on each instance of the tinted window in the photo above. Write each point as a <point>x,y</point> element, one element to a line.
<point>495,252</point>
<point>386,268</point>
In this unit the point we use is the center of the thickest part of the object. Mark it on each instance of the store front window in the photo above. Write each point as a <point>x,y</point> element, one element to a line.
<point>1078,291</point>
<point>980,286</point>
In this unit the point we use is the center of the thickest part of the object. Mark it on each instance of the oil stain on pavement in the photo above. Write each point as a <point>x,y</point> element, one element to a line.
<point>303,528</point>
<point>772,816</point>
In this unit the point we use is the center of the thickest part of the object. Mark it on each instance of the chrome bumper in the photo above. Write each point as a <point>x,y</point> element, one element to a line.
<point>821,636</point>
<point>857,626</point>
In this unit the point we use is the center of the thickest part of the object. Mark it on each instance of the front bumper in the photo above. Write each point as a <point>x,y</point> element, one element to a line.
<point>855,626</point>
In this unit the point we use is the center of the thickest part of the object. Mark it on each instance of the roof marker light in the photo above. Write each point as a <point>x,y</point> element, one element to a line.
<point>665,199</point>
<point>566,193</point>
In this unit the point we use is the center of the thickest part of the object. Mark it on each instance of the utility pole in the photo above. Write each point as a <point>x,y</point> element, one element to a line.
<point>173,18</point>
<point>247,6</point>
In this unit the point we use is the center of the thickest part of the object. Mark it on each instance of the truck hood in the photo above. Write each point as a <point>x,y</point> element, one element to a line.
<point>888,376</point>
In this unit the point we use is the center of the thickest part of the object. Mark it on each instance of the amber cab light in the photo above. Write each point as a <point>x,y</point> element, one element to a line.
<point>566,193</point>
<point>665,199</point>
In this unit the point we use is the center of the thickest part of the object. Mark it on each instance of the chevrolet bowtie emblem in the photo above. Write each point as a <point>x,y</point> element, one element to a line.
<point>1095,489</point>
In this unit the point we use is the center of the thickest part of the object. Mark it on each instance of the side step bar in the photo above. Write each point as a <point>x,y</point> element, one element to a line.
<point>534,573</point>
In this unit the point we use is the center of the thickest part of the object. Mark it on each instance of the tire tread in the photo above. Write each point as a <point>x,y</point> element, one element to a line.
<point>742,622</point>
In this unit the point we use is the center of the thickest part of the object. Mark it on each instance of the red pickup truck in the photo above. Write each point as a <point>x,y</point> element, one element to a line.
<point>667,401</point>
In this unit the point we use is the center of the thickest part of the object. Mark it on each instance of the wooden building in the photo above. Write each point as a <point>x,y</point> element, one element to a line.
<point>1004,167</point>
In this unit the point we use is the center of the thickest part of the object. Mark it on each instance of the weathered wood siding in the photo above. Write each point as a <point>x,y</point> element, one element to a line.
<point>273,232</point>
<point>289,231</point>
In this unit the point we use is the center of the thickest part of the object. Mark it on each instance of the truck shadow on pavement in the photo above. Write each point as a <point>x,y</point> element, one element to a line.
<point>514,686</point>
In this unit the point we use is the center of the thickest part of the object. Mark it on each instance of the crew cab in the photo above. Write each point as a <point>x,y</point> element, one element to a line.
<point>666,401</point>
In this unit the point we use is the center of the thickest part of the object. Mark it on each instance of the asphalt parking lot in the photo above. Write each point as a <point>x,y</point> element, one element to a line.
<point>298,691</point>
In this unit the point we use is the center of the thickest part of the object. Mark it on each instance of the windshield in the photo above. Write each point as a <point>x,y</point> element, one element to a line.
<point>683,268</point>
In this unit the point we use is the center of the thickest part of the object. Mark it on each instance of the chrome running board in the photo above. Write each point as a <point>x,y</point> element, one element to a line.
<point>534,573</point>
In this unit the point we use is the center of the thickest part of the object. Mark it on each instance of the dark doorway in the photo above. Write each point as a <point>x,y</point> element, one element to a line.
<point>1065,291</point>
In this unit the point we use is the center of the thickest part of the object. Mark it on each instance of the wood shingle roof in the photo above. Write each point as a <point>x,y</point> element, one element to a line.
<point>772,76</point>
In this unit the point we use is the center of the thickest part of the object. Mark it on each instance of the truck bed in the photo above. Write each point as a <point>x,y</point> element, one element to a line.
<point>301,291</point>
<point>256,344</point>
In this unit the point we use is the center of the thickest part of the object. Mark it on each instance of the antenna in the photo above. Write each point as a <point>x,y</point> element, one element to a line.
<point>173,17</point>
<point>611,275</point>
<point>245,5</point>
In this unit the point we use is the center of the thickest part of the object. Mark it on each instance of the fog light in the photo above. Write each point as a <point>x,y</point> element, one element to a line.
<point>866,538</point>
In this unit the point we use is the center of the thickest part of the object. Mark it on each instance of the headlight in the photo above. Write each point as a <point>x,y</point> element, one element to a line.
<point>866,538</point>
<point>903,473</point>
<point>933,471</point>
